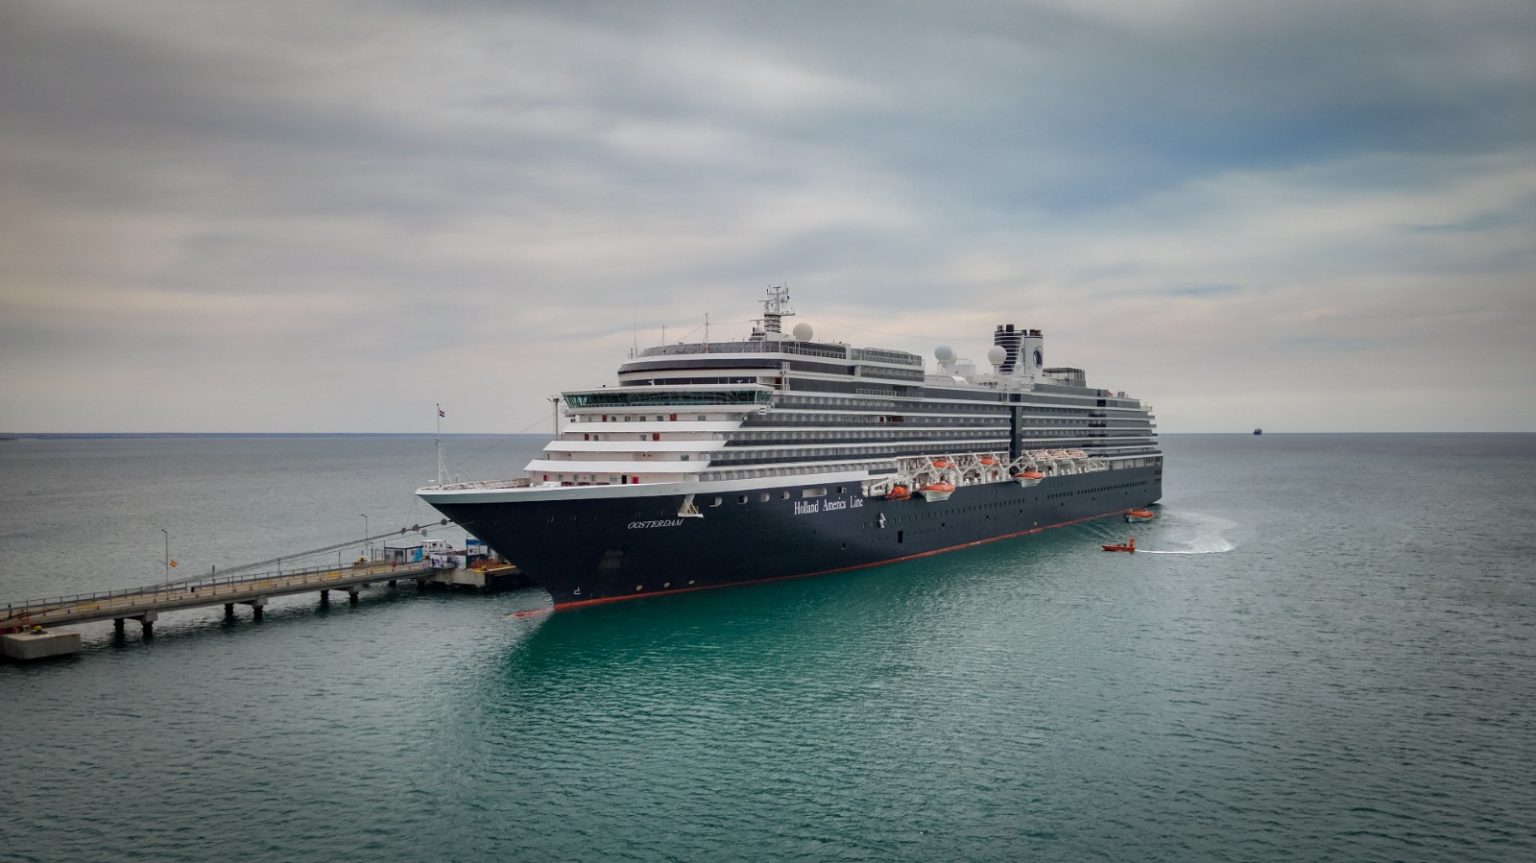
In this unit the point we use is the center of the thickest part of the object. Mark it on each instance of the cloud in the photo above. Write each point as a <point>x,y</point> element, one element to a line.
<point>328,204</point>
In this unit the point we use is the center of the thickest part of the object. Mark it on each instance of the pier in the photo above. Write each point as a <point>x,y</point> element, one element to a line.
<point>27,632</point>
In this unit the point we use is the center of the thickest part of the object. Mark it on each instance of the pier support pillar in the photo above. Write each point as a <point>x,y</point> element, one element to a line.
<point>352,595</point>
<point>391,582</point>
<point>229,609</point>
<point>421,585</point>
<point>325,597</point>
<point>147,619</point>
<point>256,605</point>
<point>117,625</point>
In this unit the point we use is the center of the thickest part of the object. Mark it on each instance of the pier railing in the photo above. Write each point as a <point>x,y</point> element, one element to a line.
<point>206,590</point>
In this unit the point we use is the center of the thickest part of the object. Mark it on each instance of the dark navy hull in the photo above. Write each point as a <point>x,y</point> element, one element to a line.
<point>596,549</point>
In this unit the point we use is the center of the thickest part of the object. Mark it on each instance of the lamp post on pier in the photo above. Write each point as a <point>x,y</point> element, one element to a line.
<point>365,534</point>
<point>167,553</point>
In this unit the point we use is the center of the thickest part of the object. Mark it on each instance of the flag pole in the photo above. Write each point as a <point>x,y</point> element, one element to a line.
<point>437,442</point>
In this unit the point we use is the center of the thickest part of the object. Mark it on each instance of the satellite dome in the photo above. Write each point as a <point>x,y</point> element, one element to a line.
<point>944,354</point>
<point>996,355</point>
<point>803,331</point>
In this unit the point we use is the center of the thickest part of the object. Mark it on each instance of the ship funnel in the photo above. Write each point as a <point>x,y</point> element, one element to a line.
<point>1007,338</point>
<point>1023,351</point>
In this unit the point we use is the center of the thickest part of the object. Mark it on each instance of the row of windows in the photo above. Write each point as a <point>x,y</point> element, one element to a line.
<point>1062,494</point>
<point>784,494</point>
<point>795,419</point>
<point>873,467</point>
<point>633,418</point>
<point>767,456</point>
<point>641,397</point>
<point>858,436</point>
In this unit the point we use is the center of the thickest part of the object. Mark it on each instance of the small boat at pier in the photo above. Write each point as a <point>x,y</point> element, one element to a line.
<point>1130,546</point>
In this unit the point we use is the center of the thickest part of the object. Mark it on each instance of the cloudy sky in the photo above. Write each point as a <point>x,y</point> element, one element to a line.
<point>328,215</point>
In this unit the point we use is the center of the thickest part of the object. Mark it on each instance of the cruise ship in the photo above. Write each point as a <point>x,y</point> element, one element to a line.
<point>711,464</point>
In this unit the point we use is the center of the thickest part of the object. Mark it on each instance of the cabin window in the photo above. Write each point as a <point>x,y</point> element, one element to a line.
<point>741,498</point>
<point>764,497</point>
<point>716,502</point>
<point>813,492</point>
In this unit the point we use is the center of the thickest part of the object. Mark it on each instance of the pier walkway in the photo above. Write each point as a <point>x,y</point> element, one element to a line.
<point>144,604</point>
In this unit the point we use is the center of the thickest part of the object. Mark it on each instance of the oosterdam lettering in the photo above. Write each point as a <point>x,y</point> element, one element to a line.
<point>660,522</point>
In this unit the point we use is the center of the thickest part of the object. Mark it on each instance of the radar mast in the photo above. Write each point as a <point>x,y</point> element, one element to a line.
<point>776,309</point>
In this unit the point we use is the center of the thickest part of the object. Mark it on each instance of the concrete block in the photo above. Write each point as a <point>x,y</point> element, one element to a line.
<point>27,646</point>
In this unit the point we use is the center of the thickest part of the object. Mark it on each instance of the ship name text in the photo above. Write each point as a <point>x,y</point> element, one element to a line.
<point>811,507</point>
<point>659,522</point>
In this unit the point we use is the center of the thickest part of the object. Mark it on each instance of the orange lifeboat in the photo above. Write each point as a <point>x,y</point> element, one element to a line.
<point>1028,478</point>
<point>942,463</point>
<point>988,460</point>
<point>1129,546</point>
<point>1136,515</point>
<point>898,492</point>
<point>937,491</point>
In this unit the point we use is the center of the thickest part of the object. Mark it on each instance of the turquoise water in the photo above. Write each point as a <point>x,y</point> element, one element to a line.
<point>1328,656</point>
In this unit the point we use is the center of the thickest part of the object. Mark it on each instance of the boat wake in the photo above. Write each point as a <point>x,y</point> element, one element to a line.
<point>1192,533</point>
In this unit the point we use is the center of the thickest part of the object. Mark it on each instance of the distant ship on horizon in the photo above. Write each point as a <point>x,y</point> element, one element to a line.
<point>1258,431</point>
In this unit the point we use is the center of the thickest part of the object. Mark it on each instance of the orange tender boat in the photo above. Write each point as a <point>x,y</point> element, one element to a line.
<point>1130,546</point>
<point>1135,515</point>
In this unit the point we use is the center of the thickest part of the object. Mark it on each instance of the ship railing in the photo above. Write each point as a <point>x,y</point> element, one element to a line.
<point>785,347</point>
<point>522,482</point>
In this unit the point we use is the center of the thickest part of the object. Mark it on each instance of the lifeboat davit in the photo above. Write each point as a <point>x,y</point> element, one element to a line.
<point>937,491</point>
<point>898,492</point>
<point>1130,546</point>
<point>1136,515</point>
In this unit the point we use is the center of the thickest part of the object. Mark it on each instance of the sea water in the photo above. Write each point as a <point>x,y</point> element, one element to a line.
<point>1329,655</point>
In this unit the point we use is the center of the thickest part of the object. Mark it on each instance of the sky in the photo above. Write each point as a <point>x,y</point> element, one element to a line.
<point>329,215</point>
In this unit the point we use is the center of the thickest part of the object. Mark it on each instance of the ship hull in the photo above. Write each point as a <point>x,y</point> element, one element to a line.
<point>601,550</point>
